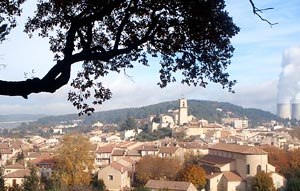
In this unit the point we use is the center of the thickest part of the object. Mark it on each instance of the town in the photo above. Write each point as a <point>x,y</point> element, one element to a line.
<point>230,155</point>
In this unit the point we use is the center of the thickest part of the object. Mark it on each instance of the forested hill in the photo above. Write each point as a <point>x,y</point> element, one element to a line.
<point>209,110</point>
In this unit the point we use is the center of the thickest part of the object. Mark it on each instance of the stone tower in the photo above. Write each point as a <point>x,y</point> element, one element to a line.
<point>183,111</point>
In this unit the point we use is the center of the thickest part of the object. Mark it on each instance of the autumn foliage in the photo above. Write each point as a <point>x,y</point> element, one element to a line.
<point>287,163</point>
<point>194,174</point>
<point>156,168</point>
<point>74,161</point>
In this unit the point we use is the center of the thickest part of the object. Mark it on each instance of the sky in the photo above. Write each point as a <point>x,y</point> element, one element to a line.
<point>261,60</point>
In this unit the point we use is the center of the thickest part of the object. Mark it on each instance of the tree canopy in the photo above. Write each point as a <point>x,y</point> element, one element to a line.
<point>263,182</point>
<point>74,161</point>
<point>191,37</point>
<point>152,167</point>
<point>194,174</point>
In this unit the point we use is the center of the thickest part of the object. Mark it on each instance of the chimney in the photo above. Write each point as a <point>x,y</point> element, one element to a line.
<point>296,111</point>
<point>284,110</point>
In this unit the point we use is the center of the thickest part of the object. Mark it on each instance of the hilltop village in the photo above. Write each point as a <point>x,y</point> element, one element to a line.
<point>230,153</point>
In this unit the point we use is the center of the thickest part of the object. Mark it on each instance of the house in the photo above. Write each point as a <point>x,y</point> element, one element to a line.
<point>146,150</point>
<point>7,152</point>
<point>12,168</point>
<point>156,185</point>
<point>232,167</point>
<point>16,177</point>
<point>115,176</point>
<point>117,154</point>
<point>194,148</point>
<point>172,152</point>
<point>103,155</point>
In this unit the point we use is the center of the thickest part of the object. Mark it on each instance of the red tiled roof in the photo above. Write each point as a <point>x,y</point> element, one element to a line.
<point>232,176</point>
<point>216,160</point>
<point>133,153</point>
<point>18,174</point>
<point>105,149</point>
<point>169,150</point>
<point>4,145</point>
<point>127,159</point>
<point>6,151</point>
<point>213,175</point>
<point>169,185</point>
<point>15,166</point>
<point>148,148</point>
<point>118,152</point>
<point>192,145</point>
<point>119,167</point>
<point>251,150</point>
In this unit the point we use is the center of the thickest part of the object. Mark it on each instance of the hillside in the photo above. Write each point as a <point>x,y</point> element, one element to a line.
<point>198,108</point>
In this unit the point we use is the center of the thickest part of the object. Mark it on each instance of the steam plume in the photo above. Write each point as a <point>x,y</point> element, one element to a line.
<point>289,81</point>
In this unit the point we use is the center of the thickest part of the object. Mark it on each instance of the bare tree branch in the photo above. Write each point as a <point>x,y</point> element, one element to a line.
<point>258,13</point>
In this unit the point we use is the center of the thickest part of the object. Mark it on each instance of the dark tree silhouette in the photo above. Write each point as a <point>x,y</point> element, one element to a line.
<point>191,37</point>
<point>8,11</point>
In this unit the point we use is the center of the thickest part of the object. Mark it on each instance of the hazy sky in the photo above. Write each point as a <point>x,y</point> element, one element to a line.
<point>256,66</point>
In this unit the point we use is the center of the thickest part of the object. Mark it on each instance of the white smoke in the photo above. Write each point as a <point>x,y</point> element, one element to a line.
<point>289,81</point>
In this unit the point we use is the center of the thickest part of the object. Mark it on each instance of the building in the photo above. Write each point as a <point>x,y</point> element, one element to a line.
<point>156,185</point>
<point>117,175</point>
<point>232,167</point>
<point>183,112</point>
<point>16,177</point>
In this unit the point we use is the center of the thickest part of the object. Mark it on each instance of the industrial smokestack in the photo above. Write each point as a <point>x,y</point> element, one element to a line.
<point>296,111</point>
<point>288,84</point>
<point>284,110</point>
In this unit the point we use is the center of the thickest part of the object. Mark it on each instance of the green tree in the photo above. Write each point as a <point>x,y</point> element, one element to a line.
<point>98,184</point>
<point>2,181</point>
<point>194,174</point>
<point>263,182</point>
<point>8,11</point>
<point>31,182</point>
<point>293,184</point>
<point>190,37</point>
<point>74,162</point>
<point>128,124</point>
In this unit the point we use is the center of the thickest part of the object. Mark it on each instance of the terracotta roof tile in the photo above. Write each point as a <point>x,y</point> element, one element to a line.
<point>168,150</point>
<point>213,175</point>
<point>232,176</point>
<point>216,160</point>
<point>6,151</point>
<point>105,149</point>
<point>133,153</point>
<point>148,148</point>
<point>15,166</point>
<point>18,174</point>
<point>118,152</point>
<point>251,150</point>
<point>4,145</point>
<point>119,167</point>
<point>169,185</point>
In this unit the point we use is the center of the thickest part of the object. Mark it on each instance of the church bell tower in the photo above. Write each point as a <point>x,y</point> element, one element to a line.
<point>183,113</point>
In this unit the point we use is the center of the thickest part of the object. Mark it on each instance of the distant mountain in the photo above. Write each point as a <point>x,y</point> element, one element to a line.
<point>14,120</point>
<point>210,110</point>
<point>19,117</point>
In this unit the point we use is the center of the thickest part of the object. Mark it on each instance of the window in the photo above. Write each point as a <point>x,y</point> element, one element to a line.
<point>248,168</point>
<point>14,183</point>
<point>258,169</point>
<point>110,177</point>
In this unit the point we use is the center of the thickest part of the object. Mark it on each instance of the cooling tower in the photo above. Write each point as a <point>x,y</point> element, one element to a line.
<point>296,111</point>
<point>284,110</point>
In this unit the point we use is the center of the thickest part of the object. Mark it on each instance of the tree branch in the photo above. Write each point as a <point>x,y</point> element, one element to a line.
<point>57,77</point>
<point>122,25</point>
<point>257,12</point>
